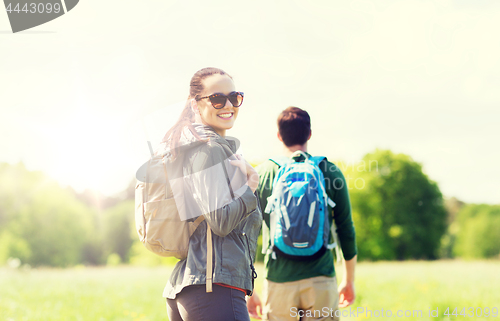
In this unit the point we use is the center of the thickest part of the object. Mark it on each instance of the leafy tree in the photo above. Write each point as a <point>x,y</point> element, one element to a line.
<point>478,234</point>
<point>117,224</point>
<point>453,207</point>
<point>398,212</point>
<point>42,223</point>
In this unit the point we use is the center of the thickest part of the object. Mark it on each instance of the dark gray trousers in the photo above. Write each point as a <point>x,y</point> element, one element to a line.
<point>195,304</point>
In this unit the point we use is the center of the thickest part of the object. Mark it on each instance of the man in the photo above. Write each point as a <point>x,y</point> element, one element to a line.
<point>306,289</point>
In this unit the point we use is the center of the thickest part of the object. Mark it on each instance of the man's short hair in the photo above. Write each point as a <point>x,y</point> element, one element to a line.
<point>294,125</point>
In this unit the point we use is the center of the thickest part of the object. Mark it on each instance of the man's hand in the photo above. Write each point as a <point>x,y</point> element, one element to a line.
<point>346,288</point>
<point>346,294</point>
<point>254,306</point>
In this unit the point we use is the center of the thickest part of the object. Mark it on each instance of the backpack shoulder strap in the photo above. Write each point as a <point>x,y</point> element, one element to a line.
<point>209,279</point>
<point>280,160</point>
<point>317,159</point>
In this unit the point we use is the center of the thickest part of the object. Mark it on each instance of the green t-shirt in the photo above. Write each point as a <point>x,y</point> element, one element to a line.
<point>281,269</point>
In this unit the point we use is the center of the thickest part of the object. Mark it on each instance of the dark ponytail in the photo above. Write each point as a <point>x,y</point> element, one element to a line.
<point>186,119</point>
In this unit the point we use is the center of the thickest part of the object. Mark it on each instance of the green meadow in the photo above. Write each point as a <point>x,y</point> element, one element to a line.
<point>135,293</point>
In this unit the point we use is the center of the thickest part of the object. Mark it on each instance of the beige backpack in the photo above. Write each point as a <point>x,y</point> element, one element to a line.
<point>157,219</point>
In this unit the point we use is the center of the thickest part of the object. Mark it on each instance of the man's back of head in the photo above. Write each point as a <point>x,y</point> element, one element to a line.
<point>294,126</point>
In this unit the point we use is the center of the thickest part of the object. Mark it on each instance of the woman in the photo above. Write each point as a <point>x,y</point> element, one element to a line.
<point>229,208</point>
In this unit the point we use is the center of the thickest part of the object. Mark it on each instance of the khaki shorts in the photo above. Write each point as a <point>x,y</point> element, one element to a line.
<point>312,299</point>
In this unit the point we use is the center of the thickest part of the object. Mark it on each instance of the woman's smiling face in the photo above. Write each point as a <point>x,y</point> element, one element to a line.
<point>219,119</point>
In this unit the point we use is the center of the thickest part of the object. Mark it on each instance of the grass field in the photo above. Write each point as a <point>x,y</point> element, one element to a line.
<point>134,293</point>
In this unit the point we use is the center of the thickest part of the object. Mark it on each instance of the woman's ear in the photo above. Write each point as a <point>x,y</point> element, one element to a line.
<point>194,106</point>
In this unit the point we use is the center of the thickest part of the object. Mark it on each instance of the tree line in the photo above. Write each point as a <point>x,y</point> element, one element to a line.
<point>398,211</point>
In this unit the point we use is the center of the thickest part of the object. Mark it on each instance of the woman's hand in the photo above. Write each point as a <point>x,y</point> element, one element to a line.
<point>245,167</point>
<point>254,306</point>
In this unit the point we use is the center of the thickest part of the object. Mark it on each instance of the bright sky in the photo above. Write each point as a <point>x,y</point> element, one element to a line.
<point>418,77</point>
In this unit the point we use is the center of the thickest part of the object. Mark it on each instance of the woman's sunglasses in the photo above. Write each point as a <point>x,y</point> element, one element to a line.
<point>219,100</point>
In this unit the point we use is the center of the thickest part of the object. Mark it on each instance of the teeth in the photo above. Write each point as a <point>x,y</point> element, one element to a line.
<point>225,115</point>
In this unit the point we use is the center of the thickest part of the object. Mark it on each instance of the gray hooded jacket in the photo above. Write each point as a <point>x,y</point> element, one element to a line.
<point>212,189</point>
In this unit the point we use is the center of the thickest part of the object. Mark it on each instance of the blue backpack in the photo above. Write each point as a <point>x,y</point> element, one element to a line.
<point>298,208</point>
